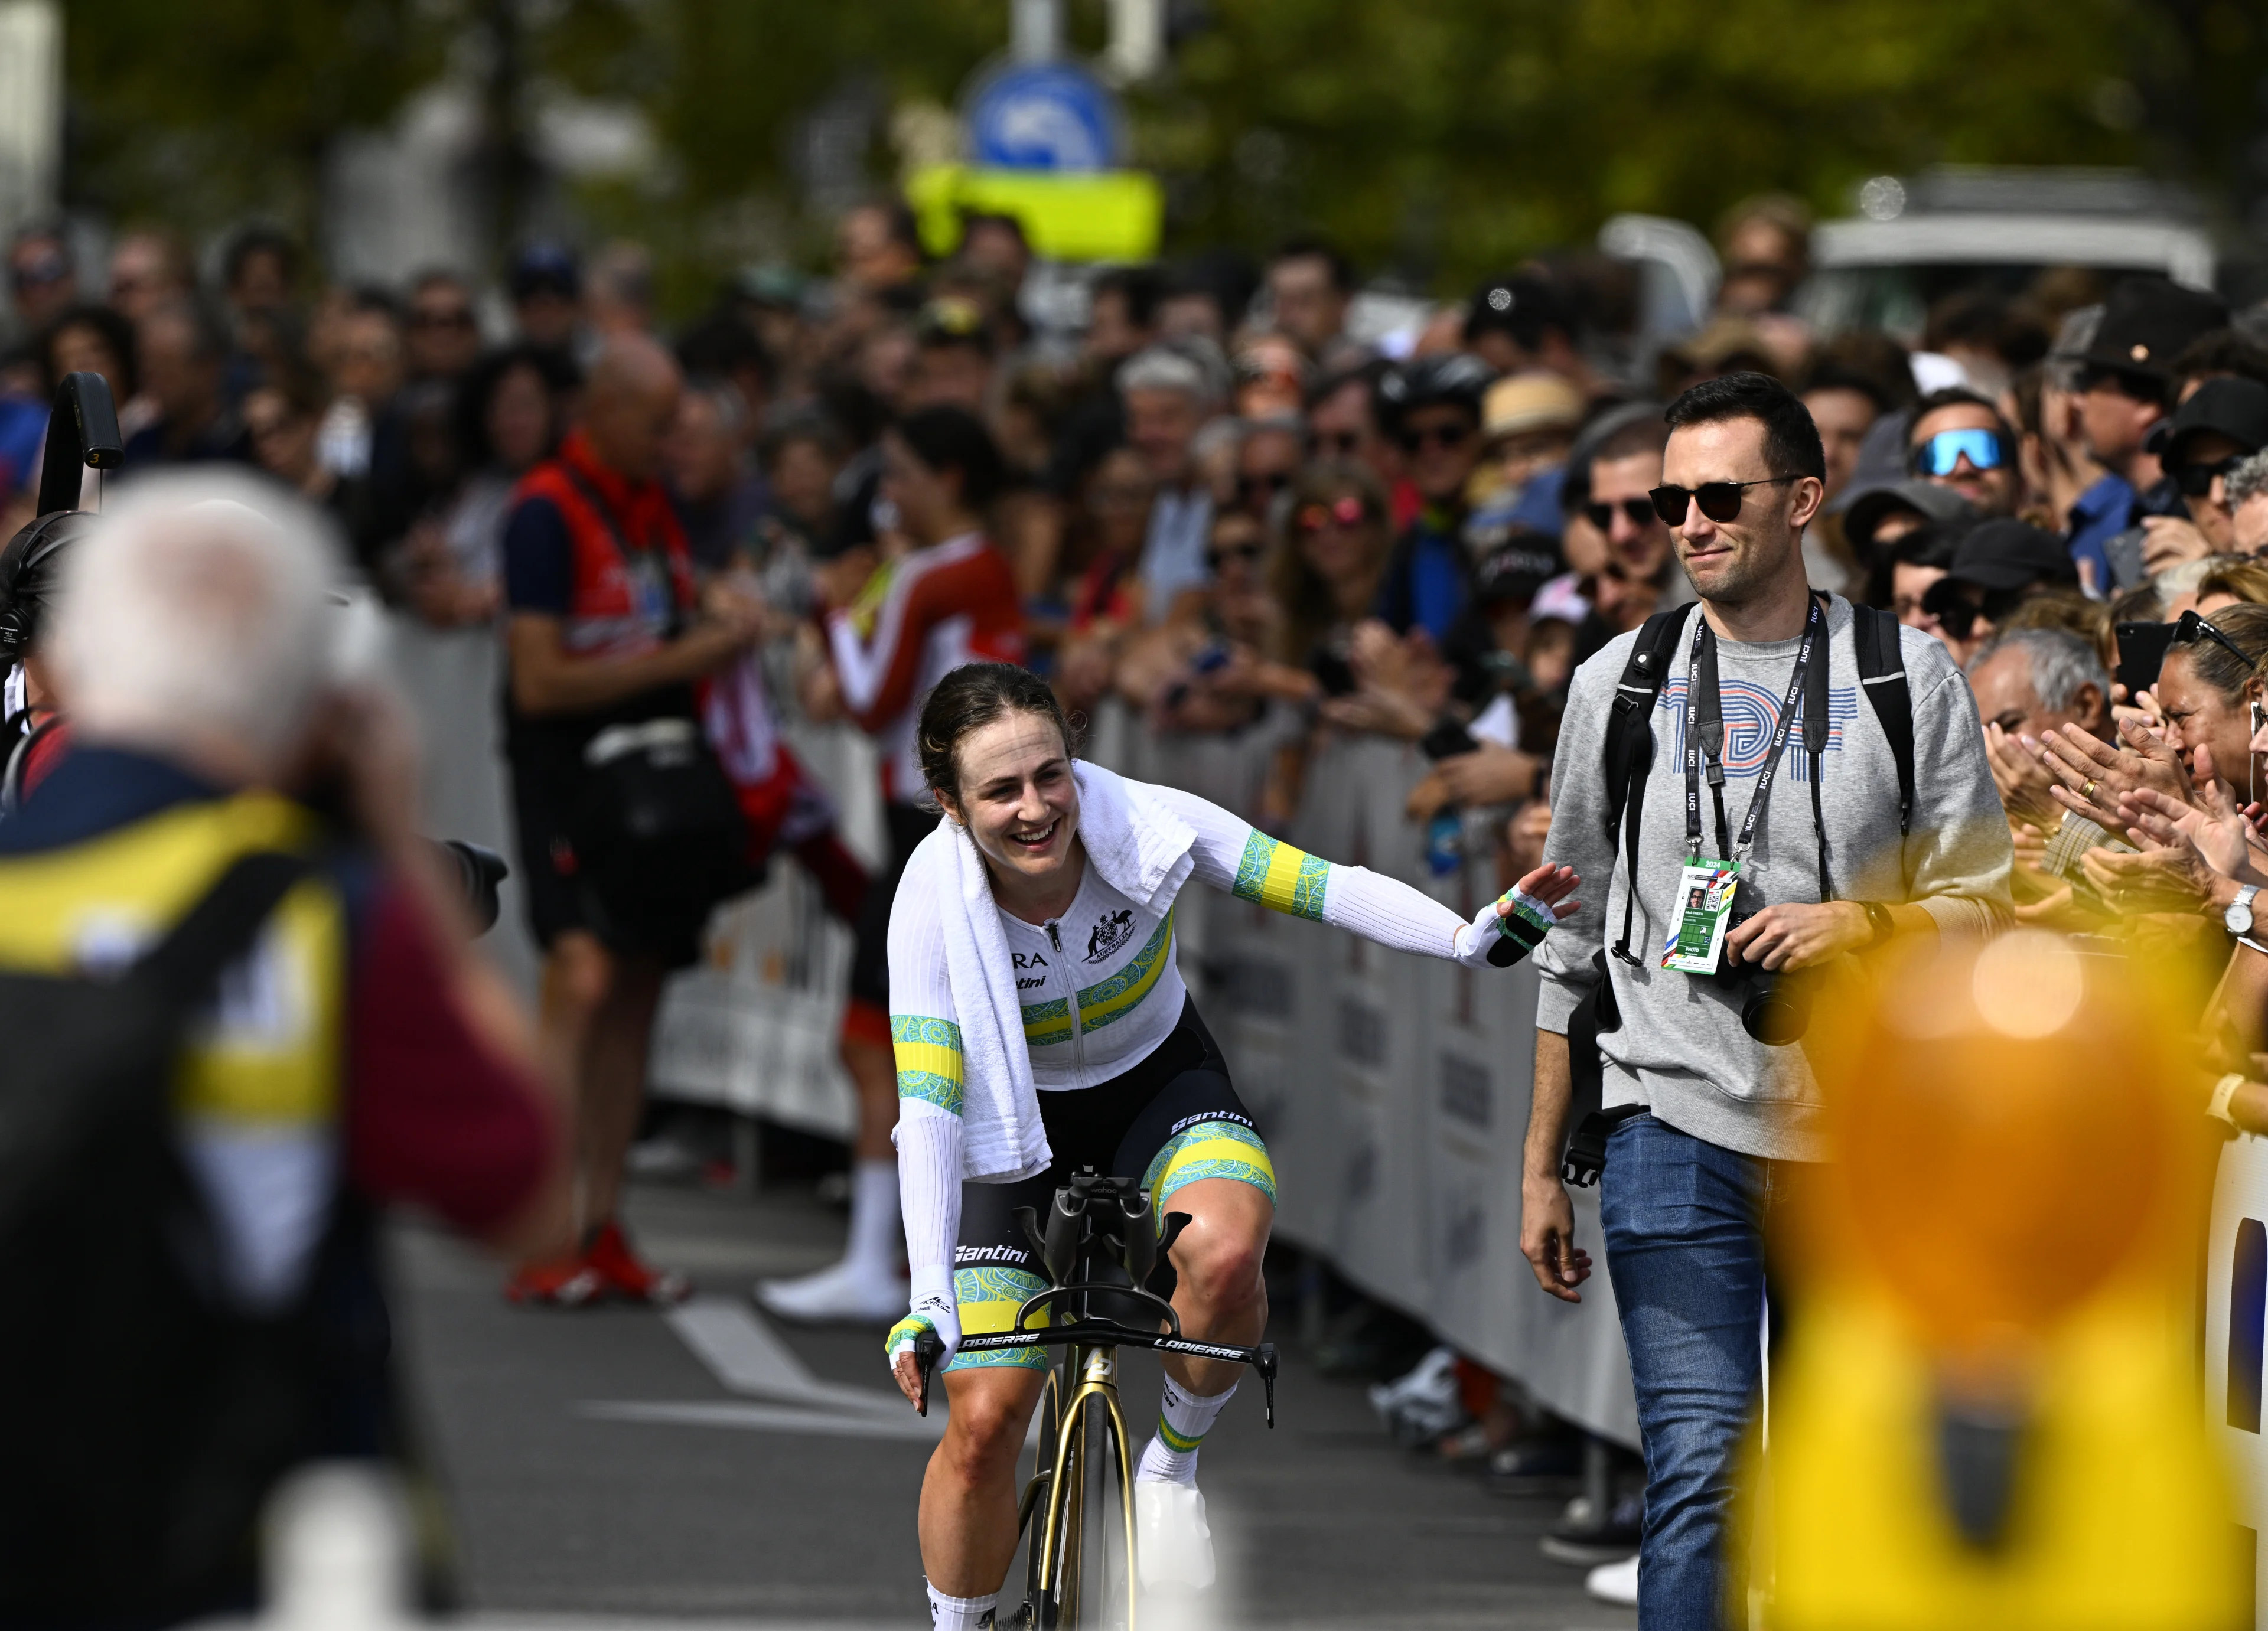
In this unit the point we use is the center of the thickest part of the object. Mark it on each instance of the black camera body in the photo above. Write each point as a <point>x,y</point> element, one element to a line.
<point>1774,1010</point>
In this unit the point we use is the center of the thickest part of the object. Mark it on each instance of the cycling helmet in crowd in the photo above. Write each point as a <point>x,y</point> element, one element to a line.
<point>1456,377</point>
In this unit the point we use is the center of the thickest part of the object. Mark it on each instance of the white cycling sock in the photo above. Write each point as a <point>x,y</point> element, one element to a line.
<point>1183,1420</point>
<point>958,1614</point>
<point>873,1247</point>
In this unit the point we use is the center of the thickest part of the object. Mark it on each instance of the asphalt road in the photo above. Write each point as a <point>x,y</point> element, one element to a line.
<point>618,1464</point>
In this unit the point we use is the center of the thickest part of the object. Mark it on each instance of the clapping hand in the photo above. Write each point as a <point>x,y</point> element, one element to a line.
<point>2093,774</point>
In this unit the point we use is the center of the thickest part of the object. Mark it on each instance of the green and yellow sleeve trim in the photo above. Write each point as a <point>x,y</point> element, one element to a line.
<point>1282,878</point>
<point>929,1060</point>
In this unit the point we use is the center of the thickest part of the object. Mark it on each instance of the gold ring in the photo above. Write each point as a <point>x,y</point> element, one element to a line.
<point>2087,792</point>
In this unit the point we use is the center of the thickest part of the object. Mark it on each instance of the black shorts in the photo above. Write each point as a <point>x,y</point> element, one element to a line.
<point>870,954</point>
<point>546,760</point>
<point>1172,1118</point>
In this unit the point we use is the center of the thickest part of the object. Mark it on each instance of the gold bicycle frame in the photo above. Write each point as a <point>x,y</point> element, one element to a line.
<point>1098,1371</point>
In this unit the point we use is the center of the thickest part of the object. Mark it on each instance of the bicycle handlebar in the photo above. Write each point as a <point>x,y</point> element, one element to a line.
<point>928,1350</point>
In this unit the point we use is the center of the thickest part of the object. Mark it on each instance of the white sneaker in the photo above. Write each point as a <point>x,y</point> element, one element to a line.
<point>1615,1583</point>
<point>846,1291</point>
<point>1173,1542</point>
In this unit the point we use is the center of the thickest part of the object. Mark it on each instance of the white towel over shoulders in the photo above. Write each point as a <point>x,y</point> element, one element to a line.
<point>1142,849</point>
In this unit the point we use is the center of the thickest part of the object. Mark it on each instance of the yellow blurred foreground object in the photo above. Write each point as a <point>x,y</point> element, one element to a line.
<point>1986,1413</point>
<point>1094,214</point>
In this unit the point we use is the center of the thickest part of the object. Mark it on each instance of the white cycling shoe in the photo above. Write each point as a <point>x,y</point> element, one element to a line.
<point>1615,1583</point>
<point>844,1292</point>
<point>1174,1540</point>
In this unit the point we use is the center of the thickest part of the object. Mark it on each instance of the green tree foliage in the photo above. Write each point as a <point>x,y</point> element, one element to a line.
<point>1453,137</point>
<point>196,112</point>
<point>1445,139</point>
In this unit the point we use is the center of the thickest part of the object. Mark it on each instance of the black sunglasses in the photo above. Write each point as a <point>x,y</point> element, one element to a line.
<point>1720,501</point>
<point>2196,480</point>
<point>1641,511</point>
<point>2190,627</point>
<point>1345,443</point>
<point>1269,481</point>
<point>1247,553</point>
<point>1448,438</point>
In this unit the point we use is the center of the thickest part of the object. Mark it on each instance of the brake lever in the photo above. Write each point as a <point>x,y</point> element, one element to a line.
<point>929,1347</point>
<point>1266,1365</point>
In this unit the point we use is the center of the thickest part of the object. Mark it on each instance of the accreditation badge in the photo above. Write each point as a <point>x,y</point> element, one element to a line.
<point>1704,906</point>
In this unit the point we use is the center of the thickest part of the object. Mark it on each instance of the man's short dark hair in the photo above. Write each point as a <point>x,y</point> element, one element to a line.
<point>1315,246</point>
<point>1524,307</point>
<point>2221,353</point>
<point>1138,289</point>
<point>258,239</point>
<point>952,438</point>
<point>1959,396</point>
<point>1791,444</point>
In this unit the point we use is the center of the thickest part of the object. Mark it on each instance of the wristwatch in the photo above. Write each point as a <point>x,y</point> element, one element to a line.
<point>2238,919</point>
<point>1878,919</point>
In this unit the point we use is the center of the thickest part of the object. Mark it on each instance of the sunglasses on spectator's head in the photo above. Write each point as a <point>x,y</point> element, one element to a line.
<point>1985,449</point>
<point>1720,501</point>
<point>2190,627</point>
<point>1641,511</point>
<point>1347,511</point>
<point>2196,480</point>
<point>1448,438</point>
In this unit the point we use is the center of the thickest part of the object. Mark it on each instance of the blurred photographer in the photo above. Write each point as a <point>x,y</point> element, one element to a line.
<point>1761,812</point>
<point>338,1047</point>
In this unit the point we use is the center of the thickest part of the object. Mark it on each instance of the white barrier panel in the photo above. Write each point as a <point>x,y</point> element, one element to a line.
<point>1393,1089</point>
<point>2236,1302</point>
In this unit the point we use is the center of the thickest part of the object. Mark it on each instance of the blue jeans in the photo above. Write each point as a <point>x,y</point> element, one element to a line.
<point>1683,1224</point>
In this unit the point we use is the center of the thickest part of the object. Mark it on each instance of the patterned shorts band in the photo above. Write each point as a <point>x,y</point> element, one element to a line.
<point>1173,1119</point>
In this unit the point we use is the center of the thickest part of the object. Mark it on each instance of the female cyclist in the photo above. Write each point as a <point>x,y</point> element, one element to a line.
<point>1040,1025</point>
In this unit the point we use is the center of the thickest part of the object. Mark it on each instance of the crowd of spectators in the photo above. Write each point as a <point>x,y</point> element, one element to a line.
<point>1232,506</point>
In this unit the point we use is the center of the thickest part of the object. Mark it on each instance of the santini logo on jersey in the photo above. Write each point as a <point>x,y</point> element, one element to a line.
<point>990,1254</point>
<point>1111,933</point>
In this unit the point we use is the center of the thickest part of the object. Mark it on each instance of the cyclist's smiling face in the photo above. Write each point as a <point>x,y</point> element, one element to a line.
<point>1017,798</point>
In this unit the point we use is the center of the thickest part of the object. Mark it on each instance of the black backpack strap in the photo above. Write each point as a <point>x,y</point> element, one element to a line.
<point>188,962</point>
<point>1816,723</point>
<point>1630,744</point>
<point>1882,677</point>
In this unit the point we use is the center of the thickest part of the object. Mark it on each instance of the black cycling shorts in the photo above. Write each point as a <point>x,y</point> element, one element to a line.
<point>1172,1118</point>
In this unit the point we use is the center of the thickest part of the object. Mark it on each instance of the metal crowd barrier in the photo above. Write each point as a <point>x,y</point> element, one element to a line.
<point>1392,1090</point>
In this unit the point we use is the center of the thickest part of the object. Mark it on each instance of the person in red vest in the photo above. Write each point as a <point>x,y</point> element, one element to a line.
<point>605,625</point>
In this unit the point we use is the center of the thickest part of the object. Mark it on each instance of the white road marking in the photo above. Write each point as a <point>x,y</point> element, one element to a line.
<point>765,1419</point>
<point>747,1356</point>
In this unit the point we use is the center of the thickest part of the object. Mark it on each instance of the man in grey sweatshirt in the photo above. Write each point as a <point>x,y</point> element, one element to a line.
<point>1690,1169</point>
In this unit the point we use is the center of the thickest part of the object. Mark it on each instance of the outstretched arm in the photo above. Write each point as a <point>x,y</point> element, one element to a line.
<point>1233,855</point>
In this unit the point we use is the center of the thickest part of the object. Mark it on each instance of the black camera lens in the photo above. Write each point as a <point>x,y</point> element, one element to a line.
<point>1776,1012</point>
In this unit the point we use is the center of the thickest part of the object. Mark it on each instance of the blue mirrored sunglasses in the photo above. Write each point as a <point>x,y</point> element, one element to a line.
<point>1986,450</point>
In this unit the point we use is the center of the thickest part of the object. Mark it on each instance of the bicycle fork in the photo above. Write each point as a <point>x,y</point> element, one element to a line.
<point>1098,1370</point>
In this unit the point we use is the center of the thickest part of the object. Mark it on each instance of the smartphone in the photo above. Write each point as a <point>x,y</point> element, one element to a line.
<point>2141,653</point>
<point>1445,740</point>
<point>1336,673</point>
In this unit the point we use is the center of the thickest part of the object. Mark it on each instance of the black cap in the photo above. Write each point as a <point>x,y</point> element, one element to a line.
<point>2236,408</point>
<point>544,266</point>
<point>1454,377</point>
<point>2145,323</point>
<point>1523,305</point>
<point>2005,553</point>
<point>1926,499</point>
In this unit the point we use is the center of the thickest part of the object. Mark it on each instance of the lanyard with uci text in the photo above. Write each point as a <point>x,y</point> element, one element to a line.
<point>1704,732</point>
